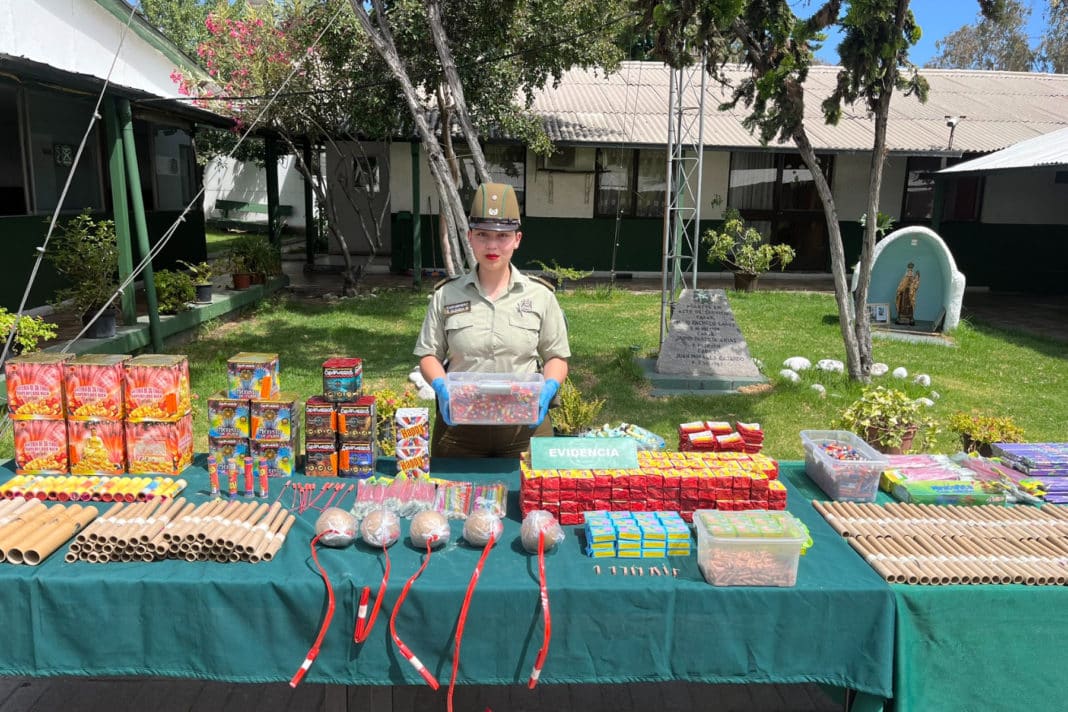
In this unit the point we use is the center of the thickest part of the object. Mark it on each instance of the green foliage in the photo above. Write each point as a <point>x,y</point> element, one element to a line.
<point>1053,49</point>
<point>86,253</point>
<point>387,400</point>
<point>576,411</point>
<point>31,330</point>
<point>254,254</point>
<point>743,249</point>
<point>174,291</point>
<point>558,273</point>
<point>200,273</point>
<point>629,369</point>
<point>978,430</point>
<point>181,21</point>
<point>885,416</point>
<point>990,44</point>
<point>883,224</point>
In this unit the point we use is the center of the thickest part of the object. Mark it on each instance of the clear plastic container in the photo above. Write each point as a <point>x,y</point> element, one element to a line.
<point>750,548</point>
<point>494,398</point>
<point>843,480</point>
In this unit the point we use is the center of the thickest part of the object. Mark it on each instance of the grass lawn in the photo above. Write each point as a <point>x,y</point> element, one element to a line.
<point>995,371</point>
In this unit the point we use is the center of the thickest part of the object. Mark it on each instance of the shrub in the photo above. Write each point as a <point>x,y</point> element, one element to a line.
<point>174,291</point>
<point>576,412</point>
<point>31,330</point>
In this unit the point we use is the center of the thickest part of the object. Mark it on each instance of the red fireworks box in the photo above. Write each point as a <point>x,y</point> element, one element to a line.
<point>356,420</point>
<point>35,386</point>
<point>159,447</point>
<point>320,459</point>
<point>97,447</point>
<point>157,388</point>
<point>40,446</point>
<point>94,385</point>
<point>320,420</point>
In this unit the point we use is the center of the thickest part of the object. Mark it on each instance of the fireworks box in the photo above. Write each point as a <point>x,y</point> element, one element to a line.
<point>279,458</point>
<point>225,449</point>
<point>156,388</point>
<point>159,447</point>
<point>228,417</point>
<point>94,385</point>
<point>35,386</point>
<point>356,420</point>
<point>320,459</point>
<point>320,420</point>
<point>356,459</point>
<point>342,379</point>
<point>253,375</point>
<point>276,418</point>
<point>97,447</point>
<point>40,447</point>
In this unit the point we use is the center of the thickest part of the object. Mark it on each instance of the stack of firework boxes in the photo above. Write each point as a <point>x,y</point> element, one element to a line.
<point>253,420</point>
<point>340,425</point>
<point>100,414</point>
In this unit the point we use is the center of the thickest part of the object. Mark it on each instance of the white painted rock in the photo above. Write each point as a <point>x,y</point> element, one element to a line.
<point>935,395</point>
<point>831,365</point>
<point>900,372</point>
<point>922,379</point>
<point>797,363</point>
<point>819,389</point>
<point>879,369</point>
<point>790,375</point>
<point>925,401</point>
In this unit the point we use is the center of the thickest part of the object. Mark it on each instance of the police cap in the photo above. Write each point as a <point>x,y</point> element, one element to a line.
<point>495,208</point>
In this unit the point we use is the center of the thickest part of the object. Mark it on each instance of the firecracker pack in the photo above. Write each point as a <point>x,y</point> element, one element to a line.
<point>97,447</point>
<point>94,385</point>
<point>411,426</point>
<point>320,420</point>
<point>159,447</point>
<point>635,535</point>
<point>276,418</point>
<point>320,459</point>
<point>720,436</point>
<point>253,375</point>
<point>156,387</point>
<point>677,481</point>
<point>228,417</point>
<point>342,379</point>
<point>279,458</point>
<point>356,420</point>
<point>35,386</point>
<point>40,447</point>
<point>356,459</point>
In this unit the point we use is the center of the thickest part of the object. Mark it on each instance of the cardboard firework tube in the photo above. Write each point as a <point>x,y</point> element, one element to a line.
<point>33,509</point>
<point>216,520</point>
<point>18,506</point>
<point>56,515</point>
<point>237,539</point>
<point>176,532</point>
<point>159,539</point>
<point>86,535</point>
<point>245,545</point>
<point>905,572</point>
<point>977,568</point>
<point>884,568</point>
<point>930,571</point>
<point>174,507</point>
<point>254,545</point>
<point>949,573</point>
<point>118,524</point>
<point>47,545</point>
<point>154,508</point>
<point>831,518</point>
<point>909,563</point>
<point>214,535</point>
<point>17,531</point>
<point>279,538</point>
<point>992,572</point>
<point>227,537</point>
<point>200,518</point>
<point>951,557</point>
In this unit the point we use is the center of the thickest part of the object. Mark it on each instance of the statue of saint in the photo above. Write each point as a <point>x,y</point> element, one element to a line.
<point>905,301</point>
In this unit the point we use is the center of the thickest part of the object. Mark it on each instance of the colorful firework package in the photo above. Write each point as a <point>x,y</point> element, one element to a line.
<point>160,447</point>
<point>253,375</point>
<point>97,447</point>
<point>94,386</point>
<point>411,426</point>
<point>320,420</point>
<point>320,459</point>
<point>228,417</point>
<point>157,388</point>
<point>342,378</point>
<point>355,459</point>
<point>35,386</point>
<point>356,420</point>
<point>40,446</point>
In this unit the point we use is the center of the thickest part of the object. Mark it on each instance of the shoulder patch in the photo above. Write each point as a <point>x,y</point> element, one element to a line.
<point>443,282</point>
<point>543,282</point>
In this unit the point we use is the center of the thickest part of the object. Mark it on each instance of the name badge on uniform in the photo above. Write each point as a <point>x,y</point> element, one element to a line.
<point>525,306</point>
<point>457,308</point>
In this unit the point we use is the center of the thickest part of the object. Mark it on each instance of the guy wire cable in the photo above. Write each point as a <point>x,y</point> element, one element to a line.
<point>627,134</point>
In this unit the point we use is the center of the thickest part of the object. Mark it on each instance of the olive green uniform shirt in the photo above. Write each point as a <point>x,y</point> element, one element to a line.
<point>517,333</point>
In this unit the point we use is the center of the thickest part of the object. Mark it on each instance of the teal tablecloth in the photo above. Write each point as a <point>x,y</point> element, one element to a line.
<point>255,622</point>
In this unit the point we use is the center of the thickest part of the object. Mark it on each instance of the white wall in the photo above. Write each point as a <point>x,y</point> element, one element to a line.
<point>555,194</point>
<point>1027,197</point>
<point>715,179</point>
<point>229,179</point>
<point>850,185</point>
<point>81,36</point>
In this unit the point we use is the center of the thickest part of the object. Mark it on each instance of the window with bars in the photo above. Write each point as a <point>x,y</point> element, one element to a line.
<point>630,182</point>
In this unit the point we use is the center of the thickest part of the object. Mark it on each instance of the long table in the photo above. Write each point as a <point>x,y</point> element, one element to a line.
<point>254,622</point>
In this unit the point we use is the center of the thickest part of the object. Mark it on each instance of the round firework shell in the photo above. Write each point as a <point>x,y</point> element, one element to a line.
<point>429,526</point>
<point>380,528</point>
<point>480,526</point>
<point>335,527</point>
<point>536,522</point>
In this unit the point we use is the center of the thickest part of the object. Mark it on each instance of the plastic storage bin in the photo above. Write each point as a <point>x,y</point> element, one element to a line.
<point>751,548</point>
<point>494,398</point>
<point>843,480</point>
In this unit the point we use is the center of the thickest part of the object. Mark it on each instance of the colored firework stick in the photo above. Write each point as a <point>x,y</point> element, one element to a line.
<point>364,624</point>
<point>313,652</point>
<point>249,490</point>
<point>462,620</point>
<point>213,476</point>
<point>539,662</point>
<point>231,477</point>
<point>265,489</point>
<point>404,650</point>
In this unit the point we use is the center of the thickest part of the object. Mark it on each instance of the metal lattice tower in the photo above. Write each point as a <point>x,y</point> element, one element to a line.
<point>682,217</point>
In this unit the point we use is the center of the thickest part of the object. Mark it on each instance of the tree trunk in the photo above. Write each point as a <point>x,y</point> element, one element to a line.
<point>445,116</point>
<point>838,266</point>
<point>451,204</point>
<point>452,78</point>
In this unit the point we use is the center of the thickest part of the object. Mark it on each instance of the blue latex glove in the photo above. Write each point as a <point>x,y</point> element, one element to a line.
<point>442,391</point>
<point>547,392</point>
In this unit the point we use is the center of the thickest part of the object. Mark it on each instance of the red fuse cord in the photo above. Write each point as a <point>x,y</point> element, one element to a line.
<point>363,623</point>
<point>463,617</point>
<point>313,652</point>
<point>539,662</point>
<point>405,651</point>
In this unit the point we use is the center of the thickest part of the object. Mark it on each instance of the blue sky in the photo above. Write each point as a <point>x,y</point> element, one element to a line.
<point>937,18</point>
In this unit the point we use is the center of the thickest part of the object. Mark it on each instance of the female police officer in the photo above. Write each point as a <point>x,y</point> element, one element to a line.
<point>495,319</point>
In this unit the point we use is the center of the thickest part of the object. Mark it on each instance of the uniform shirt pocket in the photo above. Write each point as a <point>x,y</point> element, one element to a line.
<point>525,328</point>
<point>460,335</point>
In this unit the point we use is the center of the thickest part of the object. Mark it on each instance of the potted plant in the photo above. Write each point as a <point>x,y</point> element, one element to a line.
<point>978,432</point>
<point>256,256</point>
<point>86,253</point>
<point>201,274</point>
<point>174,291</point>
<point>575,412</point>
<point>888,419</point>
<point>744,251</point>
<point>30,331</point>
